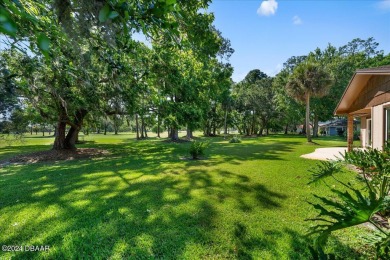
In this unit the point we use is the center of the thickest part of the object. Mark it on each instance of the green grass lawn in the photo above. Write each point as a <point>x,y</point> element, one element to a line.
<point>145,201</point>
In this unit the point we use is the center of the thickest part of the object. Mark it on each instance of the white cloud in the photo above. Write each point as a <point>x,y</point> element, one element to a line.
<point>273,71</point>
<point>267,8</point>
<point>297,20</point>
<point>384,5</point>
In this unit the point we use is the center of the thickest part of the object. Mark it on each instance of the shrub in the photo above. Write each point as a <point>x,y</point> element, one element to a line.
<point>197,149</point>
<point>355,206</point>
<point>235,139</point>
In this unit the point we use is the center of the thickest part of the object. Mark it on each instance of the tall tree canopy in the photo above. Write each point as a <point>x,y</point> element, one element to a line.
<point>91,63</point>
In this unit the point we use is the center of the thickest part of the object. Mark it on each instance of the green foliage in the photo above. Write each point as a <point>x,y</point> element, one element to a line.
<point>254,75</point>
<point>93,66</point>
<point>44,44</point>
<point>254,102</point>
<point>235,139</point>
<point>197,149</point>
<point>381,244</point>
<point>8,86</point>
<point>309,79</point>
<point>355,205</point>
<point>7,25</point>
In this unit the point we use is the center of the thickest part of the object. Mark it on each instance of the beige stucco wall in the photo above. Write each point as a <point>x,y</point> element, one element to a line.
<point>378,121</point>
<point>363,131</point>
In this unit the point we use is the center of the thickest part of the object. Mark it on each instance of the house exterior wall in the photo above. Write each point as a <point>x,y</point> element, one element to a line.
<point>375,93</point>
<point>378,125</point>
<point>332,131</point>
<point>363,131</point>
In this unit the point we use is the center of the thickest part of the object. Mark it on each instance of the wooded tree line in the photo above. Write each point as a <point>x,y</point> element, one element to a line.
<point>314,82</point>
<point>71,66</point>
<point>77,62</point>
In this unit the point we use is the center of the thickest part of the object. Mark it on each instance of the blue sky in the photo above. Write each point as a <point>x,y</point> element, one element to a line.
<point>265,34</point>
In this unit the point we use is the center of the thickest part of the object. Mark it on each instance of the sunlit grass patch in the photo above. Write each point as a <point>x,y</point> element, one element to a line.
<point>246,200</point>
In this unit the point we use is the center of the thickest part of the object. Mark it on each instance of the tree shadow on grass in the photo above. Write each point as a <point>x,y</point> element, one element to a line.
<point>155,150</point>
<point>246,244</point>
<point>120,208</point>
<point>298,245</point>
<point>9,151</point>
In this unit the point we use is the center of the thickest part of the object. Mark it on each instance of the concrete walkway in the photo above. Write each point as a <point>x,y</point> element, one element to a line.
<point>326,154</point>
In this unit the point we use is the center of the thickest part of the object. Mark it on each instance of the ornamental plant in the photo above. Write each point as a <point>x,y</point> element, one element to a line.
<point>235,139</point>
<point>197,149</point>
<point>354,206</point>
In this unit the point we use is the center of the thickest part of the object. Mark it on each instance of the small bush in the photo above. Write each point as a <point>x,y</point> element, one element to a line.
<point>235,140</point>
<point>197,149</point>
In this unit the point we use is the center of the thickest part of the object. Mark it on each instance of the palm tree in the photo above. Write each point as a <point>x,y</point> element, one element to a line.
<point>308,80</point>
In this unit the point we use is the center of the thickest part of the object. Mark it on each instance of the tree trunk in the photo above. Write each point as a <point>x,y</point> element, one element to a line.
<point>59,141</point>
<point>286,129</point>
<point>315,126</point>
<point>158,126</point>
<point>308,134</point>
<point>116,124</point>
<point>208,130</point>
<point>72,137</point>
<point>264,125</point>
<point>253,123</point>
<point>105,129</point>
<point>146,132</point>
<point>225,126</point>
<point>142,127</point>
<point>174,134</point>
<point>31,129</point>
<point>189,133</point>
<point>137,125</point>
<point>69,141</point>
<point>248,131</point>
<point>261,131</point>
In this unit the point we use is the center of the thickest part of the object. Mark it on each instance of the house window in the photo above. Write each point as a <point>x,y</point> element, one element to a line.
<point>369,136</point>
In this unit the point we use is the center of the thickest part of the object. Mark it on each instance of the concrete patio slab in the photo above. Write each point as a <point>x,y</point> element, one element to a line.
<point>326,154</point>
